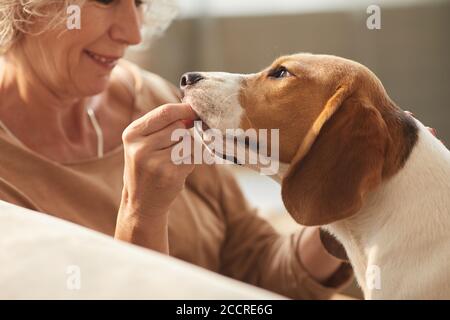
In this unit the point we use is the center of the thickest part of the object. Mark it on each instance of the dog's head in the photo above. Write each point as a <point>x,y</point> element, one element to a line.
<point>331,114</point>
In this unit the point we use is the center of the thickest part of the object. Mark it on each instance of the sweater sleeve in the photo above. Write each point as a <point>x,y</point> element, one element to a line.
<point>11,194</point>
<point>256,253</point>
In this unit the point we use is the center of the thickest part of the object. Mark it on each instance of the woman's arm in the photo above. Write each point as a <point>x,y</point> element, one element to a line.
<point>11,194</point>
<point>318,262</point>
<point>145,230</point>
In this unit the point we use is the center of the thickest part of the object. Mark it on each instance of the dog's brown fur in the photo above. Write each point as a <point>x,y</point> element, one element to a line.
<point>339,130</point>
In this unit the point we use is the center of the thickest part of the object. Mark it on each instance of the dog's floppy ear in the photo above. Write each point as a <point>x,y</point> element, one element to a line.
<point>338,162</point>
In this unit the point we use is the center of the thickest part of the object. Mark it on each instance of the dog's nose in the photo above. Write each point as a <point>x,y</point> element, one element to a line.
<point>189,79</point>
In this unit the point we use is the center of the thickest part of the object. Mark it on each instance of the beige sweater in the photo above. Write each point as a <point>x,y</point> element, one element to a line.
<point>210,223</point>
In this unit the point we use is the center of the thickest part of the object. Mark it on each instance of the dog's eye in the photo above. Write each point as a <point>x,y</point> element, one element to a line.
<point>280,72</point>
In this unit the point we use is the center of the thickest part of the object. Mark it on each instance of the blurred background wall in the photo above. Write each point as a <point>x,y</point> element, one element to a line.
<point>410,54</point>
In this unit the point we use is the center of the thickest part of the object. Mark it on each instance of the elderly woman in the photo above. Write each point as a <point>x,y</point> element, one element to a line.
<point>85,136</point>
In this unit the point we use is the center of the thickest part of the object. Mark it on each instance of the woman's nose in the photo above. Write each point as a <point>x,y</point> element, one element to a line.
<point>127,26</point>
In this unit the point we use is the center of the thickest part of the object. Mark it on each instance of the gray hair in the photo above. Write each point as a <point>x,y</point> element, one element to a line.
<point>17,15</point>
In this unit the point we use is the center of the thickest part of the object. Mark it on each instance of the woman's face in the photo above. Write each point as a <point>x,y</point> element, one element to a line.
<point>79,62</point>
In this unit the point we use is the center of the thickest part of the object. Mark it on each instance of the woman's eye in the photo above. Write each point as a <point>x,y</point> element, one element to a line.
<point>104,2</point>
<point>280,72</point>
<point>138,3</point>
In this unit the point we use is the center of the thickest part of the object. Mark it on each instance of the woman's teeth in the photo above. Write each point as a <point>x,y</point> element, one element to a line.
<point>101,59</point>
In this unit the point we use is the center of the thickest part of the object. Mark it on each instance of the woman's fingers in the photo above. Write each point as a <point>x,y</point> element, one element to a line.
<point>161,117</point>
<point>166,155</point>
<point>166,138</point>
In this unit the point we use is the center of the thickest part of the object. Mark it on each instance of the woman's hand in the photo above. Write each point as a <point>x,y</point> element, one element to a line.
<point>318,262</point>
<point>152,180</point>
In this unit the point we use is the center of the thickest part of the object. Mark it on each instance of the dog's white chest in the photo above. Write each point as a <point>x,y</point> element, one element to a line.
<point>399,243</point>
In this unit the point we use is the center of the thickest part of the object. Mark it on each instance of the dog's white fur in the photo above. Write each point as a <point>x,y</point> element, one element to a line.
<point>403,229</point>
<point>216,100</point>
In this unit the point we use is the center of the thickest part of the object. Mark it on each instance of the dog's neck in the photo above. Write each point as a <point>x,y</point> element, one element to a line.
<point>398,218</point>
<point>403,135</point>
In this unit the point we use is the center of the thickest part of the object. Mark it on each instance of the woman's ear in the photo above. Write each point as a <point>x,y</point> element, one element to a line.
<point>340,160</point>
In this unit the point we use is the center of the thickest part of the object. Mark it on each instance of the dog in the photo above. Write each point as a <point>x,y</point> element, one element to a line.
<point>352,162</point>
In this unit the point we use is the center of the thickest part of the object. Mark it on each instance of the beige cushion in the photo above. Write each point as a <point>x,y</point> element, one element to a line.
<point>43,257</point>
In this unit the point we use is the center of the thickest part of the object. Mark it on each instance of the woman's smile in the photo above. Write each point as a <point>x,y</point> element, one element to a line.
<point>106,62</point>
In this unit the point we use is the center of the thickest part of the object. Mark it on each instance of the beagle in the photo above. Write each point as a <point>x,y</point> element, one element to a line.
<point>351,162</point>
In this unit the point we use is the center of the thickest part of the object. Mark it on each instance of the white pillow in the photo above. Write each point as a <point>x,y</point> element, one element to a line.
<point>42,257</point>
